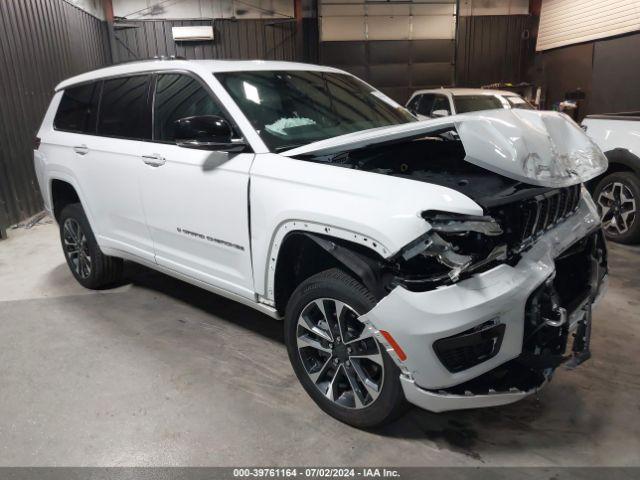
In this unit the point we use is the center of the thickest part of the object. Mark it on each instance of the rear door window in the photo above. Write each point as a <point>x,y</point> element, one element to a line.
<point>426,102</point>
<point>78,109</point>
<point>125,111</point>
<point>179,96</point>
<point>441,102</point>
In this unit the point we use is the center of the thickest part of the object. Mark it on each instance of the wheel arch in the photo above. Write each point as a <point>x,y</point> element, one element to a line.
<point>302,253</point>
<point>63,193</point>
<point>620,160</point>
<point>68,184</point>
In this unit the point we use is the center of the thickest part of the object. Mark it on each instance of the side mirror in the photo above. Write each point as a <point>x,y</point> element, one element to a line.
<point>206,132</point>
<point>440,113</point>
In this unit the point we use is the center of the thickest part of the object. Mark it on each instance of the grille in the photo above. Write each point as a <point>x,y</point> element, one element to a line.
<point>525,220</point>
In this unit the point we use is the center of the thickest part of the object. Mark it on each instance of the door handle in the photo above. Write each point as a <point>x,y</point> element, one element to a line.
<point>154,160</point>
<point>81,149</point>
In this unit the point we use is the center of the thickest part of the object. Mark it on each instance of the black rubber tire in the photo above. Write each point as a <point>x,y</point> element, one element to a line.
<point>335,283</point>
<point>105,270</point>
<point>632,181</point>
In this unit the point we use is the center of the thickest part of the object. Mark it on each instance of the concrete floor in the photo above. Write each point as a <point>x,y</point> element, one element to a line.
<point>158,372</point>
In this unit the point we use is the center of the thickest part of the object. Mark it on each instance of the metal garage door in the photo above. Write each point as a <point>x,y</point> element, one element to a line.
<point>397,47</point>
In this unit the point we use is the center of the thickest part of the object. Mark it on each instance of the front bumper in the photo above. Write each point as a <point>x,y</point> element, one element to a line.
<point>443,402</point>
<point>417,320</point>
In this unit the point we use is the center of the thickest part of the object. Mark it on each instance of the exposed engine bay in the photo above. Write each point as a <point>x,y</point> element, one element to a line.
<point>457,246</point>
<point>438,158</point>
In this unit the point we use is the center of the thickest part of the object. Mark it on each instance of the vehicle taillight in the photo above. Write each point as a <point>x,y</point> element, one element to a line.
<point>36,143</point>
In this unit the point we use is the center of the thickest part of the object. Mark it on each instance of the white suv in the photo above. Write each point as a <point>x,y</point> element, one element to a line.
<point>442,102</point>
<point>444,262</point>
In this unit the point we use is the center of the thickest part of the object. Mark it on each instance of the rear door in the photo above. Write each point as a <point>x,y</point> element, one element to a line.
<point>196,201</point>
<point>111,181</point>
<point>98,130</point>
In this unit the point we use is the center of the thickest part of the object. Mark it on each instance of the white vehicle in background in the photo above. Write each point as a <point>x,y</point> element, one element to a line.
<point>442,102</point>
<point>446,262</point>
<point>617,192</point>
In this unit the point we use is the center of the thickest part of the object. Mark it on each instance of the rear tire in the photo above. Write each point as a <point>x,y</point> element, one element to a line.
<point>333,353</point>
<point>618,199</point>
<point>90,267</point>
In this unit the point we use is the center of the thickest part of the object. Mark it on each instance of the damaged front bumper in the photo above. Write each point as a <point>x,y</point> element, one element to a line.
<point>497,337</point>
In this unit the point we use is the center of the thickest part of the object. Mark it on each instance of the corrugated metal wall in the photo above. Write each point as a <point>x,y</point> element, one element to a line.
<point>494,48</point>
<point>605,70</point>
<point>41,43</point>
<point>233,39</point>
<point>565,70</point>
<point>616,69</point>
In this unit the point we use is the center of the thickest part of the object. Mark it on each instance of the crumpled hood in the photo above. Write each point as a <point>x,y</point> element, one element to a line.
<point>540,148</point>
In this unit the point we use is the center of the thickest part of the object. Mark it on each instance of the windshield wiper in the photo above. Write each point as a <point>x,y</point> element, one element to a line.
<point>283,148</point>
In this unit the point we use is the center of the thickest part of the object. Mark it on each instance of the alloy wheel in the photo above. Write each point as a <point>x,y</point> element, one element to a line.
<point>76,248</point>
<point>339,353</point>
<point>617,208</point>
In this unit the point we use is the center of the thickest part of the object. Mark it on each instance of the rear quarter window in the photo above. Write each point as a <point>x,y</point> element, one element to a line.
<point>78,109</point>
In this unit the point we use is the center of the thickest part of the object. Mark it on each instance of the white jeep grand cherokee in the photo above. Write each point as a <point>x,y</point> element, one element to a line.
<point>445,262</point>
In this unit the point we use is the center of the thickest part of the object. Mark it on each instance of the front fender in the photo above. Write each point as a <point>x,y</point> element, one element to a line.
<point>381,212</point>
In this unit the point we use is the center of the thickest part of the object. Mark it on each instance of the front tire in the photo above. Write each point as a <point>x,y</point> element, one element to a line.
<point>618,198</point>
<point>90,267</point>
<point>337,359</point>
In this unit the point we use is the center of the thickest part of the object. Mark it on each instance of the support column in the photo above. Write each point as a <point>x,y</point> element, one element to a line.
<point>307,38</point>
<point>107,7</point>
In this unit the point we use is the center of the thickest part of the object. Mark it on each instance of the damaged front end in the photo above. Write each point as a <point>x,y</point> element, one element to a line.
<point>562,306</point>
<point>484,306</point>
<point>457,246</point>
<point>557,328</point>
<point>495,338</point>
<point>523,168</point>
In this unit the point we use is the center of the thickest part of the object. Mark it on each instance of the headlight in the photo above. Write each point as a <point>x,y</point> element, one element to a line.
<point>462,224</point>
<point>455,244</point>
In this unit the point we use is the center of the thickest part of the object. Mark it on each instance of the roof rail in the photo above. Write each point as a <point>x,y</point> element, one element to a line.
<point>153,59</point>
<point>169,57</point>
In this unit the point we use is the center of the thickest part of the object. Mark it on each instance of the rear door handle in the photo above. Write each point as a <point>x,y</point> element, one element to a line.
<point>81,149</point>
<point>154,160</point>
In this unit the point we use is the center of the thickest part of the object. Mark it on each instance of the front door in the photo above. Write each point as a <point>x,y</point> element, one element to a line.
<point>196,201</point>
